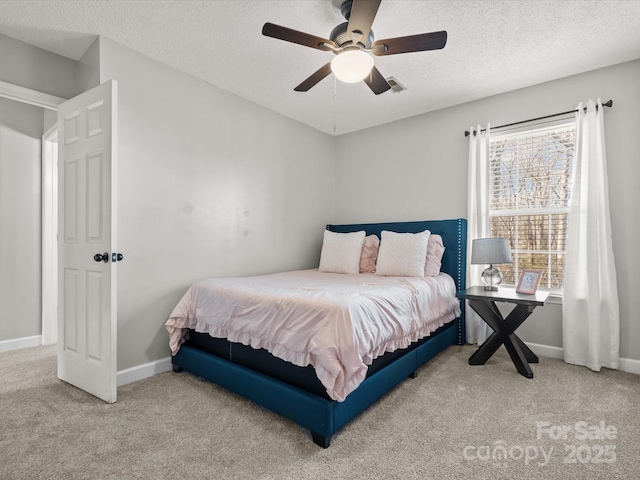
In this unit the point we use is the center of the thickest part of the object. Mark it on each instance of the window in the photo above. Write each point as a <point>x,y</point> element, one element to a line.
<point>530,178</point>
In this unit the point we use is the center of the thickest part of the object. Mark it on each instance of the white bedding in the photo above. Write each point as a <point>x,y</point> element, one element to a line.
<point>336,322</point>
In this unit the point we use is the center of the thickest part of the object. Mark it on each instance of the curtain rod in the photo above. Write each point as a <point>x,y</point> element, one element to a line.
<point>606,104</point>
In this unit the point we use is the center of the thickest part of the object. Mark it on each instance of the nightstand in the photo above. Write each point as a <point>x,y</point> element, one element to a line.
<point>483,302</point>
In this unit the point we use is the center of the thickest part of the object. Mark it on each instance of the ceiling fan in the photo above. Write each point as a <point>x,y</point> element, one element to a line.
<point>352,42</point>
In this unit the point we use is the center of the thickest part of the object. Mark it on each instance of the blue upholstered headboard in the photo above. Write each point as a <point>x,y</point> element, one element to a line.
<point>454,237</point>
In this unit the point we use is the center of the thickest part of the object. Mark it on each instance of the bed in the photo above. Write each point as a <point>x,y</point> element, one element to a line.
<point>306,388</point>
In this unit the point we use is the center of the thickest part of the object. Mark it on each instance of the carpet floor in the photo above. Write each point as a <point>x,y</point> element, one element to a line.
<point>453,421</point>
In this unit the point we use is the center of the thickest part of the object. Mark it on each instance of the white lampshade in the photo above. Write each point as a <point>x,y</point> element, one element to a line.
<point>352,66</point>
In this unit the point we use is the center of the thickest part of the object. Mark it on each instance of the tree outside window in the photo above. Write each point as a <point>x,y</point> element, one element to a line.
<point>530,187</point>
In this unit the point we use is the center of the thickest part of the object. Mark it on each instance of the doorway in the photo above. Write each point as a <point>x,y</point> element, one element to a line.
<point>46,221</point>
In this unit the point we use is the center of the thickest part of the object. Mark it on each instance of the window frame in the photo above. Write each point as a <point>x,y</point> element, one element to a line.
<point>560,124</point>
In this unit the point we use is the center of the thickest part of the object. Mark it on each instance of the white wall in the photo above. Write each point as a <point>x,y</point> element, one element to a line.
<point>416,169</point>
<point>20,292</point>
<point>208,185</point>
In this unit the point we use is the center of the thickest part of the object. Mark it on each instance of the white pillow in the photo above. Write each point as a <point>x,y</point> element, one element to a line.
<point>402,254</point>
<point>341,252</point>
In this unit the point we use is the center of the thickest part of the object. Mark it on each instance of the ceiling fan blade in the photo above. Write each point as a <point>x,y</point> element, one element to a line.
<point>294,36</point>
<point>376,82</point>
<point>314,78</point>
<point>411,43</point>
<point>361,18</point>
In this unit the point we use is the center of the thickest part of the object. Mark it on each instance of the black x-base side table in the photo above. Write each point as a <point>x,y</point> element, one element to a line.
<point>483,302</point>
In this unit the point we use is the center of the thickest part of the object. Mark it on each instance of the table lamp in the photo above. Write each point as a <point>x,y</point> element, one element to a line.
<point>491,251</point>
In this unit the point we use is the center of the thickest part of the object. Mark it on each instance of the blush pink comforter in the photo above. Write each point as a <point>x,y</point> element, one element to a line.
<point>337,323</point>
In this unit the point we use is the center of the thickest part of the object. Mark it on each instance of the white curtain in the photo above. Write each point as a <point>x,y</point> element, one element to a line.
<point>477,222</point>
<point>591,319</point>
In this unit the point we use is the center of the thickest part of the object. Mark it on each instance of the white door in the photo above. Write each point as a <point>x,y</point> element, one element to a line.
<point>87,319</point>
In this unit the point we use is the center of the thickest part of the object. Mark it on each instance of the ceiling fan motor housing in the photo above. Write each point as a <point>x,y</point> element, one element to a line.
<point>341,37</point>
<point>339,34</point>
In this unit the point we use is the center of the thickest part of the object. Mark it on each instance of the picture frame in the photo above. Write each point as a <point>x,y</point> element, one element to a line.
<point>529,280</point>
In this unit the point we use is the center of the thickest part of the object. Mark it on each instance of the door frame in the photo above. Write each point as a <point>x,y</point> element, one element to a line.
<point>49,236</point>
<point>32,97</point>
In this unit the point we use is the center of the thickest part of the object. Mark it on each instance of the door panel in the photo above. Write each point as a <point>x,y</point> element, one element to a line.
<point>87,298</point>
<point>70,205</point>
<point>69,315</point>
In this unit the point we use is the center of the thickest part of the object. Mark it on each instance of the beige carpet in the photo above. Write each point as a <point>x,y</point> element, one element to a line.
<point>449,423</point>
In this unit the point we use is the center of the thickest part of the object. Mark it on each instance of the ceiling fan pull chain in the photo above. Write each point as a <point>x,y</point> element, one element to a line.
<point>334,104</point>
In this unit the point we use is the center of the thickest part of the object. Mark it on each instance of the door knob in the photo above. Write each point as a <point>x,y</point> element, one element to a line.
<point>104,257</point>
<point>116,257</point>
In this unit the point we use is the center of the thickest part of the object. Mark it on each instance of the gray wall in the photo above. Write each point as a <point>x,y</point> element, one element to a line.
<point>208,185</point>
<point>20,243</point>
<point>31,67</point>
<point>416,169</point>
<point>89,68</point>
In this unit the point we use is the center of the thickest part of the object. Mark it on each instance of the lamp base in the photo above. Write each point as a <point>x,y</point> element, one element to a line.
<point>491,277</point>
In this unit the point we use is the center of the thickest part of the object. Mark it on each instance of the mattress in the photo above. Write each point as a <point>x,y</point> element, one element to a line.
<point>336,323</point>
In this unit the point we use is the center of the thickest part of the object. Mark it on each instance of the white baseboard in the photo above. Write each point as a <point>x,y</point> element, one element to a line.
<point>546,350</point>
<point>145,370</point>
<point>626,364</point>
<point>17,343</point>
<point>124,377</point>
<point>630,365</point>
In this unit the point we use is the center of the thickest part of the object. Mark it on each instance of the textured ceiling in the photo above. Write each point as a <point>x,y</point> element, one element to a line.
<point>493,46</point>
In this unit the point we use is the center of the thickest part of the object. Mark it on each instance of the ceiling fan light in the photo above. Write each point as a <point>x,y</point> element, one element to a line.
<point>352,66</point>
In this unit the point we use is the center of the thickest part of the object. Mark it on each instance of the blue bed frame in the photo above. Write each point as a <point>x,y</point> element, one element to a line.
<point>322,416</point>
